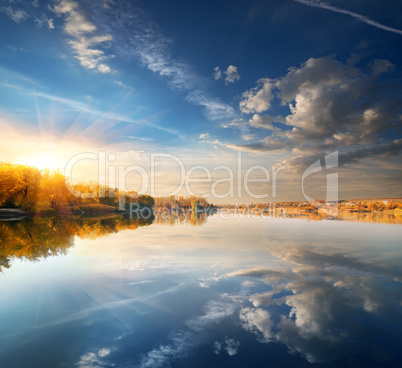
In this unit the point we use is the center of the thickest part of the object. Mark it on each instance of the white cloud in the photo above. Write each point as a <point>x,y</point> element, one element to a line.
<point>181,343</point>
<point>43,20</point>
<point>140,138</point>
<point>84,41</point>
<point>214,108</point>
<point>214,311</point>
<point>217,73</point>
<point>327,293</point>
<point>204,135</point>
<point>258,320</point>
<point>248,137</point>
<point>146,42</point>
<point>94,360</point>
<point>332,106</point>
<point>121,84</point>
<point>232,74</point>
<point>257,99</point>
<point>261,121</point>
<point>104,352</point>
<point>261,299</point>
<point>104,68</point>
<point>50,23</point>
<point>325,99</point>
<point>17,15</point>
<point>217,347</point>
<point>232,346</point>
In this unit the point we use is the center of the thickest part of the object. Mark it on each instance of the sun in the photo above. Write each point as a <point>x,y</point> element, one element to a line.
<point>42,162</point>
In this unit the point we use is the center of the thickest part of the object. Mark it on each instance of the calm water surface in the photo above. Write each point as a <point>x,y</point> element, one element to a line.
<point>250,292</point>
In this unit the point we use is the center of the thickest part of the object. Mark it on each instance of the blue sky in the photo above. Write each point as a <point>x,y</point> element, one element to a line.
<point>280,81</point>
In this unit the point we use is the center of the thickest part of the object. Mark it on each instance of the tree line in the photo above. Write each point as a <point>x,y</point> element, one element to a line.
<point>182,202</point>
<point>36,191</point>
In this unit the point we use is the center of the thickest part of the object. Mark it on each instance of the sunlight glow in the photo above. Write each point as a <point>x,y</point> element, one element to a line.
<point>42,162</point>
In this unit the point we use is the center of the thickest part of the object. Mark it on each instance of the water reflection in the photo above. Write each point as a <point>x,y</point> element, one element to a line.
<point>181,217</point>
<point>327,306</point>
<point>394,217</point>
<point>238,292</point>
<point>371,217</point>
<point>40,237</point>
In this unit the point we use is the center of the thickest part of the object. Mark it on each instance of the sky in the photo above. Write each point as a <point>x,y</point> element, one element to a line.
<point>265,83</point>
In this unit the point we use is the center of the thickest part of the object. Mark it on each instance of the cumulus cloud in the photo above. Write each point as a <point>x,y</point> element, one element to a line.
<point>84,41</point>
<point>50,23</point>
<point>94,360</point>
<point>104,352</point>
<point>258,320</point>
<point>327,99</point>
<point>257,99</point>
<point>261,121</point>
<point>217,73</point>
<point>332,106</point>
<point>231,72</point>
<point>261,299</point>
<point>103,68</point>
<point>232,346</point>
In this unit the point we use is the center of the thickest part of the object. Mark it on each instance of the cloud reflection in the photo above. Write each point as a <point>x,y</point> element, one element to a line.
<point>181,343</point>
<point>326,306</point>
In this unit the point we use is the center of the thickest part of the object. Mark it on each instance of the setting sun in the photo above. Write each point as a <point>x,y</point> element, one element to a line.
<point>43,162</point>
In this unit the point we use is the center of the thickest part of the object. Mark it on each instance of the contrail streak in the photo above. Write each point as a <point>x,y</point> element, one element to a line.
<point>362,18</point>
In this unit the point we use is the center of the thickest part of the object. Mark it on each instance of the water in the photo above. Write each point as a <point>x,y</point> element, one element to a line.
<point>237,292</point>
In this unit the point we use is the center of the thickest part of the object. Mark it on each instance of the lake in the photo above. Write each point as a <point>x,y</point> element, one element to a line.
<point>197,291</point>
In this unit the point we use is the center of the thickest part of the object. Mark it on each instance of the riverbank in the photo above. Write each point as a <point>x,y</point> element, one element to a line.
<point>10,214</point>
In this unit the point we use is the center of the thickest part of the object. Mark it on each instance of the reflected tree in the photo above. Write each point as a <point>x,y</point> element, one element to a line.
<point>38,237</point>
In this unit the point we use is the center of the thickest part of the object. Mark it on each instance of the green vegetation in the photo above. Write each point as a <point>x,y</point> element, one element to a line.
<point>359,206</point>
<point>40,237</point>
<point>184,203</point>
<point>46,192</point>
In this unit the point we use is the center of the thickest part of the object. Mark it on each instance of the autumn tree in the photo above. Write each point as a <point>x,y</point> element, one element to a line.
<point>145,200</point>
<point>19,185</point>
<point>54,192</point>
